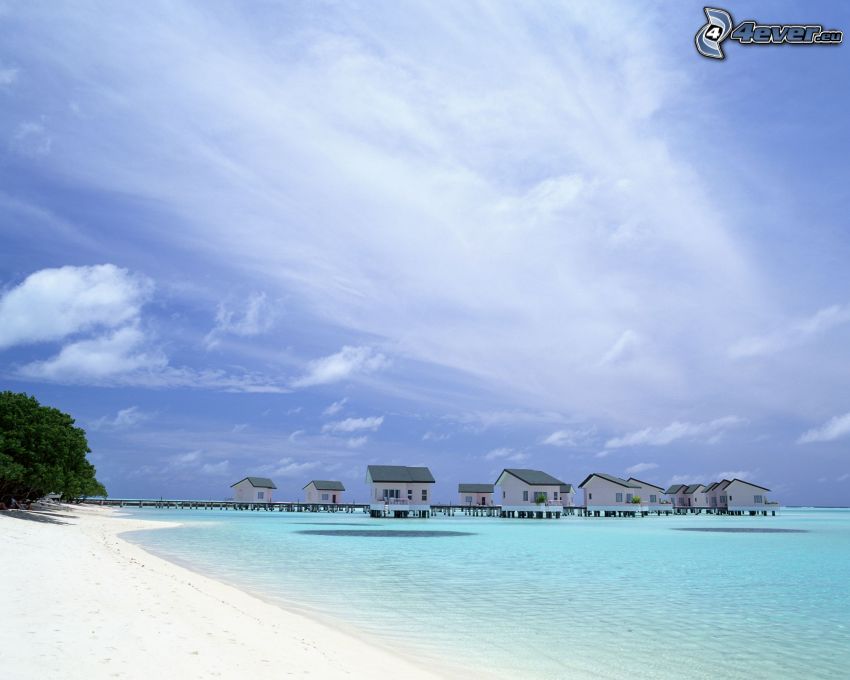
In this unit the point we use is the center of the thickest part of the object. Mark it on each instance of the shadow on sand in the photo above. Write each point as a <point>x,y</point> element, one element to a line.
<point>37,515</point>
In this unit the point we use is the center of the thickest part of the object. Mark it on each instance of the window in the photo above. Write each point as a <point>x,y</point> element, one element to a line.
<point>758,499</point>
<point>424,494</point>
<point>324,496</point>
<point>590,496</point>
<point>260,495</point>
<point>619,497</point>
<point>410,494</point>
<point>525,495</point>
<point>653,498</point>
<point>723,499</point>
<point>391,493</point>
<point>629,498</point>
<point>469,500</point>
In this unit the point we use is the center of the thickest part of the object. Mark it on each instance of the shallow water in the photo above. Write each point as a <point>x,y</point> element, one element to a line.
<point>575,597</point>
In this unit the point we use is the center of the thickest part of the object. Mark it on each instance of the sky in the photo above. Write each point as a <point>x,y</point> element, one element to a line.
<point>293,239</point>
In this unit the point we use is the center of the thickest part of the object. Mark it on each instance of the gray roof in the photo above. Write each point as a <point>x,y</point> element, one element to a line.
<point>258,482</point>
<point>692,488</point>
<point>475,488</point>
<point>610,478</point>
<point>711,486</point>
<point>400,473</point>
<point>533,477</point>
<point>643,483</point>
<point>566,488</point>
<point>744,481</point>
<point>325,485</point>
<point>676,488</point>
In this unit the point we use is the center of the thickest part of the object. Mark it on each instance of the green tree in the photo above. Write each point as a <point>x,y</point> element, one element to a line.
<point>41,452</point>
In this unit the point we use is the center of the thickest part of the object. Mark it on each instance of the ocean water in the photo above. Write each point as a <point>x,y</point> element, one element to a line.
<point>570,598</point>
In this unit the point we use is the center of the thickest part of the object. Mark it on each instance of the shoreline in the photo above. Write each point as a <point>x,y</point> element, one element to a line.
<point>83,602</point>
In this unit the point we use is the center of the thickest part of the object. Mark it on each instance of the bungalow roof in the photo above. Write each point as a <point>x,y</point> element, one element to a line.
<point>257,482</point>
<point>609,478</point>
<point>533,477</point>
<point>400,473</point>
<point>642,483</point>
<point>325,485</point>
<point>475,488</point>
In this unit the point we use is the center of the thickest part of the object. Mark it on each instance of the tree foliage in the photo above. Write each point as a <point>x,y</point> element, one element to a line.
<point>42,452</point>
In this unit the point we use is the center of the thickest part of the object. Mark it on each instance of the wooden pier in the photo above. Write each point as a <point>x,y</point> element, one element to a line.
<point>448,510</point>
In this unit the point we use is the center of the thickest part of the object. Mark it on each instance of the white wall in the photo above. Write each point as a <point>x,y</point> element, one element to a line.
<point>513,488</point>
<point>412,490</point>
<point>741,495</point>
<point>478,498</point>
<point>600,492</point>
<point>244,492</point>
<point>314,495</point>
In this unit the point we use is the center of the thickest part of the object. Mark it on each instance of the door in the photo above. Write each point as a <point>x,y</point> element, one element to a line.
<point>334,498</point>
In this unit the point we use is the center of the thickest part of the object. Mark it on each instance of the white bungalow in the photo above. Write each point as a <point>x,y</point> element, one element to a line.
<point>676,495</point>
<point>568,495</point>
<point>324,491</point>
<point>253,490</point>
<point>695,497</point>
<point>399,491</point>
<point>529,493</point>
<point>609,495</point>
<point>475,494</point>
<point>746,497</point>
<point>651,495</point>
<point>716,495</point>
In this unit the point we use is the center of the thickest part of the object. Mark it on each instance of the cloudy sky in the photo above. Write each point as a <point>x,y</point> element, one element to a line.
<point>293,239</point>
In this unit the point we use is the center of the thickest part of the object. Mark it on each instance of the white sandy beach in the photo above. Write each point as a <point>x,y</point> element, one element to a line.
<point>79,602</point>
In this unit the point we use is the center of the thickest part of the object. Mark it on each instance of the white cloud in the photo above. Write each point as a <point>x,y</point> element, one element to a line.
<point>843,478</point>
<point>253,317</point>
<point>641,467</point>
<point>732,474</point>
<point>354,424</point>
<point>216,469</point>
<point>52,304</point>
<point>794,334</point>
<point>125,418</point>
<point>335,408</point>
<point>653,436</point>
<point>118,353</point>
<point>431,436</point>
<point>347,363</point>
<point>239,427</point>
<point>622,350</point>
<point>357,442</point>
<point>288,467</point>
<point>8,76</point>
<point>32,139</point>
<point>579,437</point>
<point>833,429</point>
<point>506,454</point>
<point>186,459</point>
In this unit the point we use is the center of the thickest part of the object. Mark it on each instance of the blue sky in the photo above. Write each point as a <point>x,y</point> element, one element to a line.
<point>298,238</point>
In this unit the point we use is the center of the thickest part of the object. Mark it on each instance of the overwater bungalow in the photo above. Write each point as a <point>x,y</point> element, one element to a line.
<point>675,494</point>
<point>399,491</point>
<point>253,490</point>
<point>748,498</point>
<point>717,499</point>
<point>610,496</point>
<point>530,493</point>
<point>568,495</point>
<point>475,494</point>
<point>651,495</point>
<point>323,491</point>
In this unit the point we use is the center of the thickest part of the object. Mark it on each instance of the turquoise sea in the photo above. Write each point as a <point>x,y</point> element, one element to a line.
<point>570,598</point>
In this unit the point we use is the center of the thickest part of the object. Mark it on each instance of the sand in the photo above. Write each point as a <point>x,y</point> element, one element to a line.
<point>77,601</point>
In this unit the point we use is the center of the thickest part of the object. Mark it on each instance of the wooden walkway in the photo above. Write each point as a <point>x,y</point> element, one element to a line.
<point>533,512</point>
